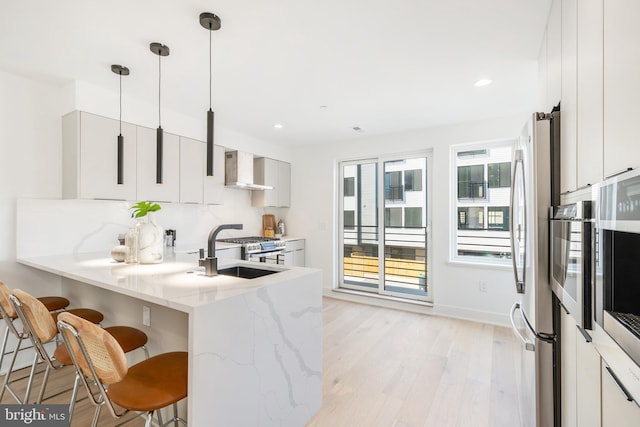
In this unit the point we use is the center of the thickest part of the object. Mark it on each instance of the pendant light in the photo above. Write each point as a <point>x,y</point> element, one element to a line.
<point>160,50</point>
<point>121,71</point>
<point>210,22</point>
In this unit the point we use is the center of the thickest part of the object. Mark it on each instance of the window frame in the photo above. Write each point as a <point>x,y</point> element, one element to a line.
<point>493,259</point>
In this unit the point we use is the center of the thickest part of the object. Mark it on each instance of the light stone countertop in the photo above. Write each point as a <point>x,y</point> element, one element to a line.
<point>177,283</point>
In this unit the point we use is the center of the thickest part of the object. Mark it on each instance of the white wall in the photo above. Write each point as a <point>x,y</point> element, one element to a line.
<point>30,166</point>
<point>455,286</point>
<point>83,96</point>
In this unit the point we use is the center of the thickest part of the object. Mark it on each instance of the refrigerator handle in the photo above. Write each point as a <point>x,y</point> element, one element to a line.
<point>512,235</point>
<point>528,345</point>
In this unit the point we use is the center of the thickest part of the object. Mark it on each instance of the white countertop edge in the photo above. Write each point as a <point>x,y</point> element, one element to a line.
<point>69,266</point>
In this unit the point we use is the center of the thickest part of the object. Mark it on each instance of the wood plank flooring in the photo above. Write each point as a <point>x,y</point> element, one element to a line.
<point>391,368</point>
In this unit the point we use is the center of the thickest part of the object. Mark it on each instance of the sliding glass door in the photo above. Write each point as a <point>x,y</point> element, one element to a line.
<point>384,233</point>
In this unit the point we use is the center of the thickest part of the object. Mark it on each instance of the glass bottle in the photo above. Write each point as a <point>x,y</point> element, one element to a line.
<point>131,243</point>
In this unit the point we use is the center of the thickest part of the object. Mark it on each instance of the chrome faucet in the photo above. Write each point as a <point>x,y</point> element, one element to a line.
<point>210,263</point>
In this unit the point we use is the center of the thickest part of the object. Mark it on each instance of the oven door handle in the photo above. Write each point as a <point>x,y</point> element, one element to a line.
<point>528,345</point>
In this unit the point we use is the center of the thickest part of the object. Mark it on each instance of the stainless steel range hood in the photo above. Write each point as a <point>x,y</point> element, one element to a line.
<point>238,171</point>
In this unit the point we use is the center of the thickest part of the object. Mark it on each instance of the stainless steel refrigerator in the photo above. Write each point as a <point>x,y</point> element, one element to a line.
<point>534,189</point>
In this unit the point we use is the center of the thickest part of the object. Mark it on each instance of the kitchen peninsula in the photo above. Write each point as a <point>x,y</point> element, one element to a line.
<point>254,344</point>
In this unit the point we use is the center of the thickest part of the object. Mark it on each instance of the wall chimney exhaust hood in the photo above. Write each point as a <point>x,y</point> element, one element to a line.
<point>238,171</point>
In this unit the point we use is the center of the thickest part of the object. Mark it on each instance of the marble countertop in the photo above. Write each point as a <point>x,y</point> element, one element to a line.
<point>178,282</point>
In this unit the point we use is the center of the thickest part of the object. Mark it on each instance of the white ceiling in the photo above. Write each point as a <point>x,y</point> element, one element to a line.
<point>384,66</point>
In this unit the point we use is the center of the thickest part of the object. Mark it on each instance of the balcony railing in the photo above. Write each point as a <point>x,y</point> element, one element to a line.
<point>405,258</point>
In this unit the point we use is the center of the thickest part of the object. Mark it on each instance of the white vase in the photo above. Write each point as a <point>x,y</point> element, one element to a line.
<point>150,241</point>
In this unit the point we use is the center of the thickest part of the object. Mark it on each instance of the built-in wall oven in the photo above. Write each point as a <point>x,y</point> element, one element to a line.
<point>617,270</point>
<point>571,232</point>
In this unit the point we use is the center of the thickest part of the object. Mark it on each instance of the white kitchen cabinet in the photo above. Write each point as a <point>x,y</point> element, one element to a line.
<point>590,81</point>
<point>148,188</point>
<point>554,55</point>
<point>568,369</point>
<point>621,85</point>
<point>192,170</point>
<point>542,76</point>
<point>90,158</point>
<point>214,189</point>
<point>294,253</point>
<point>617,409</point>
<point>273,173</point>
<point>569,87</point>
<point>587,382</point>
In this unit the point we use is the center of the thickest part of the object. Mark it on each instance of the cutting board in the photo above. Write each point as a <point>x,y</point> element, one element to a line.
<point>268,221</point>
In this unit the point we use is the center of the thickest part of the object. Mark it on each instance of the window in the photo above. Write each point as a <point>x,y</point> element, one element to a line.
<point>393,217</point>
<point>483,181</point>
<point>349,219</point>
<point>349,187</point>
<point>499,175</point>
<point>393,189</point>
<point>413,180</point>
<point>413,217</point>
<point>498,218</point>
<point>471,182</point>
<point>471,218</point>
<point>384,238</point>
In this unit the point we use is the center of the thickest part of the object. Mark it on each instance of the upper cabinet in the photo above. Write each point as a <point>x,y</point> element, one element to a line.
<point>90,158</point>
<point>192,169</point>
<point>554,56</point>
<point>621,85</point>
<point>590,82</point>
<point>195,185</point>
<point>214,188</point>
<point>569,85</point>
<point>148,188</point>
<point>276,174</point>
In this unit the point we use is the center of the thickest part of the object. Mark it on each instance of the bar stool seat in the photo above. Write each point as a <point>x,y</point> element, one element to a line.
<point>88,314</point>
<point>129,339</point>
<point>152,384</point>
<point>54,303</point>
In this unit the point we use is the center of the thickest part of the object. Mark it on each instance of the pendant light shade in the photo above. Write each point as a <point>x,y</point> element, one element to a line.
<point>212,23</point>
<point>121,71</point>
<point>160,50</point>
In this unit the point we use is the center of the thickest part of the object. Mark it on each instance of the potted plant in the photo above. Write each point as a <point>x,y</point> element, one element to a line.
<point>150,234</point>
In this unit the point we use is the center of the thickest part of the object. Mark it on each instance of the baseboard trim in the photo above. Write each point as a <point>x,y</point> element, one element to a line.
<point>414,306</point>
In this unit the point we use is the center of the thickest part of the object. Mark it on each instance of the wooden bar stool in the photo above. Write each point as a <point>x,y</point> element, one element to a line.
<point>53,303</point>
<point>9,315</point>
<point>147,386</point>
<point>41,329</point>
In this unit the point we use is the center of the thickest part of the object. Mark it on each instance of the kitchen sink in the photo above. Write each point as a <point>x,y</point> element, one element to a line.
<point>245,272</point>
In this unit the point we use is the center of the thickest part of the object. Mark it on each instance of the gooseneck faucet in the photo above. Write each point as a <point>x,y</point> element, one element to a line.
<point>210,263</point>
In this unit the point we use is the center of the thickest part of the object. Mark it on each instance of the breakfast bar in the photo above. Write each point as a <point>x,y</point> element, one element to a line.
<point>254,344</point>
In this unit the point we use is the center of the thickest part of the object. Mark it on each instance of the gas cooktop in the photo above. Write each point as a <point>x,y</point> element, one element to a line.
<point>245,240</point>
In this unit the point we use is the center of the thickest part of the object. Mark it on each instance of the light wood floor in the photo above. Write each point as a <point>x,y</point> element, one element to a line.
<point>388,368</point>
<point>391,368</point>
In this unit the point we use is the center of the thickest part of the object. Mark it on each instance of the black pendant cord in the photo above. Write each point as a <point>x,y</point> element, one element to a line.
<point>210,73</point>
<point>159,132</point>
<point>120,171</point>
<point>120,71</point>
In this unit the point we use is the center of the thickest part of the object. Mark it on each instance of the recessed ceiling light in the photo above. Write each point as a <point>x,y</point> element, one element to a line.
<point>323,107</point>
<point>358,129</point>
<point>482,82</point>
<point>277,126</point>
